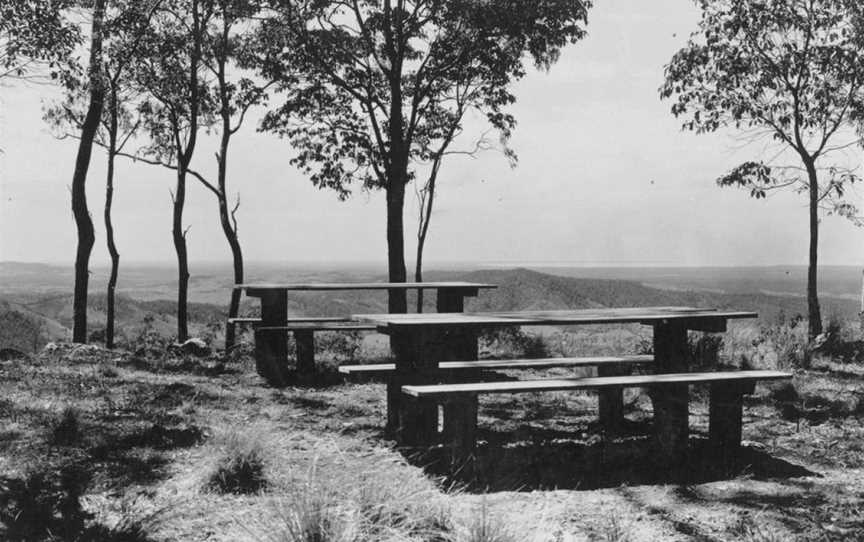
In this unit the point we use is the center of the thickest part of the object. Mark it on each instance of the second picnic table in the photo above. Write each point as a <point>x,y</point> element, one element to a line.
<point>424,345</point>
<point>271,335</point>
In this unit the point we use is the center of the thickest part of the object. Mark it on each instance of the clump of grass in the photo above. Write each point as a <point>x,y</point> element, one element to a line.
<point>67,430</point>
<point>310,511</point>
<point>240,467</point>
<point>390,498</point>
<point>347,499</point>
<point>613,528</point>
<point>486,527</point>
<point>749,529</point>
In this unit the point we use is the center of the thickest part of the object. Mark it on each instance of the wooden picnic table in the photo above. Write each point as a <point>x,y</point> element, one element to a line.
<point>424,343</point>
<point>271,338</point>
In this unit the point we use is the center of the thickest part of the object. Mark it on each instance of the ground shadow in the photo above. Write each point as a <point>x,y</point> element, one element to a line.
<point>555,463</point>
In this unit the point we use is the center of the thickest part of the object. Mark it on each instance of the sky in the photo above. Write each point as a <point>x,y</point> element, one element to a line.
<point>605,177</point>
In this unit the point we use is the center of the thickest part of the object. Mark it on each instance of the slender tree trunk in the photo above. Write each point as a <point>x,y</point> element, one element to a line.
<point>423,229</point>
<point>229,224</point>
<point>179,236</point>
<point>83,222</point>
<point>814,315</point>
<point>109,226</point>
<point>229,228</point>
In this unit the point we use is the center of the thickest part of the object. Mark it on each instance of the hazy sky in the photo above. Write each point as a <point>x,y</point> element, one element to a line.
<point>605,176</point>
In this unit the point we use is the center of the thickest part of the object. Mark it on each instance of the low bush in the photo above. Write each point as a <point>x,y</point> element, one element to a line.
<point>67,430</point>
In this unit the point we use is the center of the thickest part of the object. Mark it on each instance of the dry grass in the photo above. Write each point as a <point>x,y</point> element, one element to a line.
<point>151,435</point>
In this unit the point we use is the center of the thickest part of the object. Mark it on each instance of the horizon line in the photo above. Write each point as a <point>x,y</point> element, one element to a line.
<point>437,264</point>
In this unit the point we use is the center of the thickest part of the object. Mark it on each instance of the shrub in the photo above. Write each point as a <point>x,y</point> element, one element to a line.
<point>240,467</point>
<point>340,345</point>
<point>67,430</point>
<point>514,343</point>
<point>40,507</point>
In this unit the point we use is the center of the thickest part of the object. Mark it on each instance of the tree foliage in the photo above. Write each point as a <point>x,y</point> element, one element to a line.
<point>33,32</point>
<point>791,70</point>
<point>353,70</point>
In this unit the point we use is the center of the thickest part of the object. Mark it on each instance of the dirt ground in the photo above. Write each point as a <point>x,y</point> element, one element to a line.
<point>100,445</point>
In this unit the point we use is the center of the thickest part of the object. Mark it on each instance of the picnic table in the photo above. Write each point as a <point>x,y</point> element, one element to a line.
<point>415,389</point>
<point>272,328</point>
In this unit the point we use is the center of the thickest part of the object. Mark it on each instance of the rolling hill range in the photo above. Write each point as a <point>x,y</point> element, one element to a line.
<point>32,294</point>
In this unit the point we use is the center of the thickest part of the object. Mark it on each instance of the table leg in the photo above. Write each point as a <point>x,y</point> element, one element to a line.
<point>304,341</point>
<point>611,400</point>
<point>725,416</point>
<point>414,422</point>
<point>671,403</point>
<point>271,346</point>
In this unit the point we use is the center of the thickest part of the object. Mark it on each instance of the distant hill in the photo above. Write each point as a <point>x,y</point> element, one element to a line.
<point>523,289</point>
<point>50,309</point>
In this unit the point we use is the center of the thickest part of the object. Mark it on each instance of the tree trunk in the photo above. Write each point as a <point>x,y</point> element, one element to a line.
<point>182,256</point>
<point>229,225</point>
<point>814,315</point>
<point>397,299</point>
<point>83,222</point>
<point>109,226</point>
<point>423,229</point>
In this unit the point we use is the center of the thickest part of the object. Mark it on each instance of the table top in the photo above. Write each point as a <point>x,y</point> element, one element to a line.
<point>647,315</point>
<point>334,286</point>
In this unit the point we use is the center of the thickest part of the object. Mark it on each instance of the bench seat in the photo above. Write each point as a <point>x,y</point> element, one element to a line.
<point>459,403</point>
<point>244,320</point>
<point>326,326</point>
<point>493,364</point>
<point>560,384</point>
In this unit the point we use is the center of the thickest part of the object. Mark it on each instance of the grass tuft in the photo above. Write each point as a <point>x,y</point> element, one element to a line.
<point>486,527</point>
<point>240,468</point>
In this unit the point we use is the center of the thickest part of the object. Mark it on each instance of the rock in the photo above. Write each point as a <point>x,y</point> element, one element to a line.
<point>7,354</point>
<point>819,341</point>
<point>84,352</point>
<point>195,347</point>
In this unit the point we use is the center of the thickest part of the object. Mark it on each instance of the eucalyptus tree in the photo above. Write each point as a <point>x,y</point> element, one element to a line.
<point>127,23</point>
<point>177,105</point>
<point>787,70</point>
<point>228,47</point>
<point>89,127</point>
<point>375,86</point>
<point>226,95</point>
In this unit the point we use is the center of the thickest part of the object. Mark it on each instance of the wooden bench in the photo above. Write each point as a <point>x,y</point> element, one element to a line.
<point>304,340</point>
<point>671,420</point>
<point>500,364</point>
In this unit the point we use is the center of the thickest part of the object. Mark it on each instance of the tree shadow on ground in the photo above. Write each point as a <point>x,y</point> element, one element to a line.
<point>556,463</point>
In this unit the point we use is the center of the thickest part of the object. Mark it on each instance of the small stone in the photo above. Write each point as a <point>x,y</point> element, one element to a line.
<point>195,347</point>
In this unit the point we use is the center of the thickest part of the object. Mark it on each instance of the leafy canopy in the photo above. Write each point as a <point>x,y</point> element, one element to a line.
<point>34,31</point>
<point>373,86</point>
<point>788,69</point>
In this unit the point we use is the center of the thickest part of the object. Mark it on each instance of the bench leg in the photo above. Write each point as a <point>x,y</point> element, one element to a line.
<point>671,410</point>
<point>305,342</point>
<point>418,420</point>
<point>725,414</point>
<point>460,429</point>
<point>271,358</point>
<point>611,400</point>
